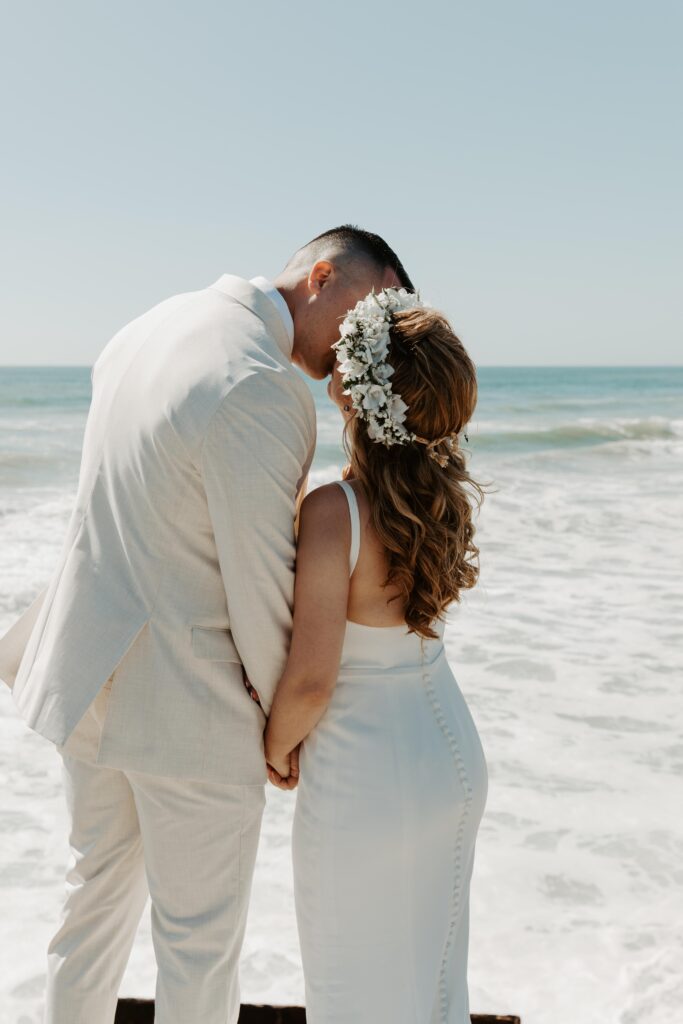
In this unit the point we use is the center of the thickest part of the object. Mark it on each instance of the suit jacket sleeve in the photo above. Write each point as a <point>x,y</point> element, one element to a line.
<point>13,643</point>
<point>255,457</point>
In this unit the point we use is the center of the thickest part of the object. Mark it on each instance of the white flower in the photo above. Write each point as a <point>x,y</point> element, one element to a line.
<point>370,306</point>
<point>376,430</point>
<point>352,367</point>
<point>349,326</point>
<point>383,372</point>
<point>362,353</point>
<point>378,343</point>
<point>357,393</point>
<point>397,408</point>
<point>375,398</point>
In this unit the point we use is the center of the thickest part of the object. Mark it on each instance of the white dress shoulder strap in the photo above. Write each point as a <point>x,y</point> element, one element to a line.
<point>355,522</point>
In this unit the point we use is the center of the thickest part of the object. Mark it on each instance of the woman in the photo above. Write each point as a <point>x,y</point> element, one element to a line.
<point>393,776</point>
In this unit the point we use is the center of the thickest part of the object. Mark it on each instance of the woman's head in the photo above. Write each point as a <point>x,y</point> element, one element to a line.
<point>420,492</point>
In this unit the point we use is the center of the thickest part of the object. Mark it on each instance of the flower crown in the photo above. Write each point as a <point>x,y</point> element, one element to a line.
<point>362,352</point>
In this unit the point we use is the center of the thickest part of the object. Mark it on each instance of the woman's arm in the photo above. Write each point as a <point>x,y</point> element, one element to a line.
<point>321,593</point>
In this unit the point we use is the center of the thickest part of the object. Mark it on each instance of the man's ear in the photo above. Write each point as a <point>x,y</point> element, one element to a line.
<point>320,275</point>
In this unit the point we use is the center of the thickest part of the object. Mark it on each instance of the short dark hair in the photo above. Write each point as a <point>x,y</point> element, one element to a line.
<point>358,242</point>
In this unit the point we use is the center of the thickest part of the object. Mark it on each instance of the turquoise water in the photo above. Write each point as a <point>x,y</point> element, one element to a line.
<point>521,410</point>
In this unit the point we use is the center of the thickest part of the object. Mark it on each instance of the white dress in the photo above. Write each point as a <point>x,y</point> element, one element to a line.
<point>393,786</point>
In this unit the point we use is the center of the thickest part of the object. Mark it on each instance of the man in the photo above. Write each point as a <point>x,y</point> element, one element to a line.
<point>175,580</point>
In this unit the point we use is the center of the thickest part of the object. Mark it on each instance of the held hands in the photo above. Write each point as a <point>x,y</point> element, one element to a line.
<point>283,772</point>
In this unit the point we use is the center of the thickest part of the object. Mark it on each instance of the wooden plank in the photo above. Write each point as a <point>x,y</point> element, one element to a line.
<point>141,1011</point>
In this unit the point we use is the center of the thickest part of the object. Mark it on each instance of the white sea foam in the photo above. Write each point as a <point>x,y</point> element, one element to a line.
<point>569,653</point>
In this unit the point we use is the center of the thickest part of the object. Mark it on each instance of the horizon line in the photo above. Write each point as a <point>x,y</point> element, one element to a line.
<point>488,366</point>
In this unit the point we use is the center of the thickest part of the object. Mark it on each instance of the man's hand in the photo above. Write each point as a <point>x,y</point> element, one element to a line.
<point>284,772</point>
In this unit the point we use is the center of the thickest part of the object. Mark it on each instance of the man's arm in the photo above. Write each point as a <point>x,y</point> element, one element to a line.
<point>254,458</point>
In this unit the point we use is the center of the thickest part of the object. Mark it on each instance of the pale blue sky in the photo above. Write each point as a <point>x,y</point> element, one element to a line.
<point>524,159</point>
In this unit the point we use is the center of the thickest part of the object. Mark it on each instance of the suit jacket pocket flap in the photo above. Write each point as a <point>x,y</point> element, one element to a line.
<point>214,643</point>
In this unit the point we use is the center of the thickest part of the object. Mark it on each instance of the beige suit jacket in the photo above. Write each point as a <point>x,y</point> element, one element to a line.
<point>178,564</point>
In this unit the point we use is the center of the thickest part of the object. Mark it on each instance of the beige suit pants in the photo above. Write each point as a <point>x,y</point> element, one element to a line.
<point>192,845</point>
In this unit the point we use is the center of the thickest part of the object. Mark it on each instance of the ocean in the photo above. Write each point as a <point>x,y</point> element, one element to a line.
<point>569,653</point>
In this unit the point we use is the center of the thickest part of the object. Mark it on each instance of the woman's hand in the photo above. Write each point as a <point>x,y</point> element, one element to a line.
<point>283,772</point>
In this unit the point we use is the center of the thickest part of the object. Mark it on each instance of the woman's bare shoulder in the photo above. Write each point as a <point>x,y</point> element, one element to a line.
<point>325,507</point>
<point>324,530</point>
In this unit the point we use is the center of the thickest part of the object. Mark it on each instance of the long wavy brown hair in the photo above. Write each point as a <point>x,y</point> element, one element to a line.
<point>422,511</point>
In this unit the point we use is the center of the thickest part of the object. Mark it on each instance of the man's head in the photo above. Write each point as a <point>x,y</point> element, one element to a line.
<point>324,280</point>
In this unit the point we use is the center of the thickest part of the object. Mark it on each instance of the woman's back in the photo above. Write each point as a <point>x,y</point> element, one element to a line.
<point>370,599</point>
<point>376,635</point>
